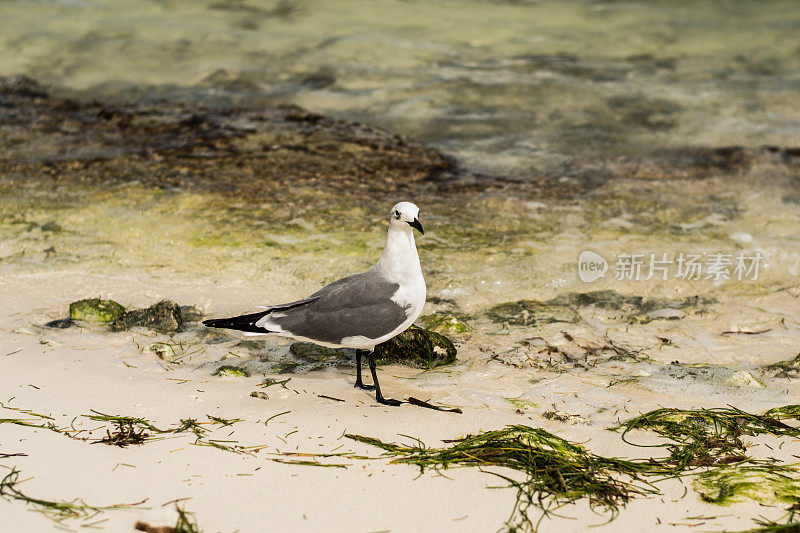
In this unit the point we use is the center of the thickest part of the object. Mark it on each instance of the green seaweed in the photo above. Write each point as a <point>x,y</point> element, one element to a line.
<point>58,510</point>
<point>554,471</point>
<point>709,437</point>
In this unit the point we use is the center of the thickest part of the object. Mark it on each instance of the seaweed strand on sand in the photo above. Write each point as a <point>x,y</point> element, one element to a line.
<point>58,510</point>
<point>709,437</point>
<point>554,471</point>
<point>185,523</point>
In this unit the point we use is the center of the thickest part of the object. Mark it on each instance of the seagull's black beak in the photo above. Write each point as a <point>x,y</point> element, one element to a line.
<point>416,225</point>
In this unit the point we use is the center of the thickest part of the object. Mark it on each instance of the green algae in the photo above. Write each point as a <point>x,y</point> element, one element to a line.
<point>95,310</point>
<point>445,323</point>
<point>230,371</point>
<point>521,403</point>
<point>764,484</point>
<point>285,367</point>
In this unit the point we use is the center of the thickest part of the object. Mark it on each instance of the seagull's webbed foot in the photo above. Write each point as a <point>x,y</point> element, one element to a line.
<point>378,396</point>
<point>360,385</point>
<point>388,401</point>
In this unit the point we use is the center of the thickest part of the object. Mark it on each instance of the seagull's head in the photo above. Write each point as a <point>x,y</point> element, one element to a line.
<point>405,214</point>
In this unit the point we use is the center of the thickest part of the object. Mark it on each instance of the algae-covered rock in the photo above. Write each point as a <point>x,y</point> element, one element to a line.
<point>445,323</point>
<point>532,313</point>
<point>231,371</point>
<point>95,310</point>
<point>163,317</point>
<point>417,347</point>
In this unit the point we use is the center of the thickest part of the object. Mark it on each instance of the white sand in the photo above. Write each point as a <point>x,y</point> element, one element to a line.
<point>67,373</point>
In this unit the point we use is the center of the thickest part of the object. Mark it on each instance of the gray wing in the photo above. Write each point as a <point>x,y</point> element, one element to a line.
<point>356,305</point>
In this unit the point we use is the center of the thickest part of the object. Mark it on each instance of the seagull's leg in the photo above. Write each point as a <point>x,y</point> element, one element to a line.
<point>378,396</point>
<point>359,383</point>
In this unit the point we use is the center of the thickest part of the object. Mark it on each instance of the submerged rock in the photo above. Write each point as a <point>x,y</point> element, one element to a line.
<point>417,347</point>
<point>245,153</point>
<point>786,369</point>
<point>532,313</point>
<point>564,308</point>
<point>312,353</point>
<point>163,317</point>
<point>95,310</point>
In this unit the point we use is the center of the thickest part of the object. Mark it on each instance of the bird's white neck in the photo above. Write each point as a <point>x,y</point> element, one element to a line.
<point>399,259</point>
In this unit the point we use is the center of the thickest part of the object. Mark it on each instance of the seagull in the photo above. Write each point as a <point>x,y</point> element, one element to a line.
<point>358,311</point>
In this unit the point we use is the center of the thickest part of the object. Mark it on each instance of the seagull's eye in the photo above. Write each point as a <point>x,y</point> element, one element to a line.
<point>397,215</point>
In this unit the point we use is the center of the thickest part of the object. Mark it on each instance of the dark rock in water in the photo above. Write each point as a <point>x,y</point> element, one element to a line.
<point>61,323</point>
<point>564,308</point>
<point>312,353</point>
<point>52,227</point>
<point>250,345</point>
<point>417,347</point>
<point>95,310</point>
<point>246,153</point>
<point>22,85</point>
<point>319,80</point>
<point>786,369</point>
<point>612,300</point>
<point>163,317</point>
<point>532,313</point>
